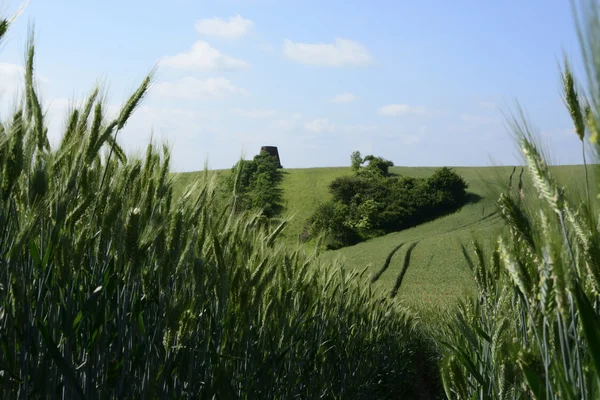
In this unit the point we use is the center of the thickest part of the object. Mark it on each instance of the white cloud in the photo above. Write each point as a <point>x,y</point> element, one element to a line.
<point>267,48</point>
<point>12,79</point>
<point>456,128</point>
<point>393,110</point>
<point>488,105</point>
<point>341,53</point>
<point>344,98</point>
<point>558,133</point>
<point>203,56</point>
<point>233,27</point>
<point>285,124</point>
<point>257,114</point>
<point>360,128</point>
<point>144,119</point>
<point>155,114</point>
<point>319,125</point>
<point>60,104</point>
<point>194,89</point>
<point>410,139</point>
<point>288,123</point>
<point>8,70</point>
<point>478,119</point>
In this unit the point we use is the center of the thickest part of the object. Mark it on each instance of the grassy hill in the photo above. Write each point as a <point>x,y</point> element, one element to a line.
<point>433,273</point>
<point>424,264</point>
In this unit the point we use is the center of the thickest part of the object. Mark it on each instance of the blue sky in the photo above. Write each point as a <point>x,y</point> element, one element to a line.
<point>417,82</point>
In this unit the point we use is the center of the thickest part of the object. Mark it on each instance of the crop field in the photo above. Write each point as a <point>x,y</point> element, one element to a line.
<point>423,267</point>
<point>120,278</point>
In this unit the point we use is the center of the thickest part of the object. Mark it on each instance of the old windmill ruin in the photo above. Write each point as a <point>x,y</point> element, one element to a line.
<point>272,150</point>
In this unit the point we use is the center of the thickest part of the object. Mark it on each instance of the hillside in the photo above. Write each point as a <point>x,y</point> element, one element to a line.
<point>435,272</point>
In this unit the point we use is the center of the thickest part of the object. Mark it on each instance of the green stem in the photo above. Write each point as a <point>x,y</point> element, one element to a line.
<point>587,185</point>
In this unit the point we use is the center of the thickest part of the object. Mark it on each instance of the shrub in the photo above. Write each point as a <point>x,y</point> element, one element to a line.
<point>344,189</point>
<point>331,219</point>
<point>256,184</point>
<point>377,166</point>
<point>355,161</point>
<point>372,203</point>
<point>448,186</point>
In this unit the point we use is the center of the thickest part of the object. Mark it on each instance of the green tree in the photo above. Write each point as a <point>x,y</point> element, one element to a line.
<point>356,161</point>
<point>377,165</point>
<point>256,184</point>
<point>372,203</point>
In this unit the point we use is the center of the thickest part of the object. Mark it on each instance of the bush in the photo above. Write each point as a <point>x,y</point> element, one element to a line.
<point>256,184</point>
<point>355,161</point>
<point>372,203</point>
<point>331,218</point>
<point>376,166</point>
<point>449,186</point>
<point>344,189</point>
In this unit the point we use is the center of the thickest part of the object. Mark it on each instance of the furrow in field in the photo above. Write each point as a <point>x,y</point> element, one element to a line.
<point>386,264</point>
<point>404,269</point>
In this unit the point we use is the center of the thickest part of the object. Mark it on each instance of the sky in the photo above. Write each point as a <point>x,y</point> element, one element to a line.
<point>421,83</point>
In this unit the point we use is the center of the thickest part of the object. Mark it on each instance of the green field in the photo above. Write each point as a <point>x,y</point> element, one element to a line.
<point>122,279</point>
<point>436,273</point>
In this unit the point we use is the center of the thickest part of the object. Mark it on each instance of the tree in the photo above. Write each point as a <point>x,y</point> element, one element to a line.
<point>258,184</point>
<point>372,203</point>
<point>356,161</point>
<point>377,165</point>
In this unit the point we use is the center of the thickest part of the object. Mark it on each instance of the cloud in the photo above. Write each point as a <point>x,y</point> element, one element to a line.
<point>267,48</point>
<point>319,125</point>
<point>139,127</point>
<point>488,105</point>
<point>478,119</point>
<point>456,128</point>
<point>233,27</point>
<point>341,53</point>
<point>360,128</point>
<point>12,79</point>
<point>558,133</point>
<point>257,114</point>
<point>393,110</point>
<point>287,124</point>
<point>203,56</point>
<point>410,139</point>
<point>8,70</point>
<point>194,89</point>
<point>344,98</point>
<point>15,71</point>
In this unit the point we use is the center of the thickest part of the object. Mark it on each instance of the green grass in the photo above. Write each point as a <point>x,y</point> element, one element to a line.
<point>303,190</point>
<point>436,274</point>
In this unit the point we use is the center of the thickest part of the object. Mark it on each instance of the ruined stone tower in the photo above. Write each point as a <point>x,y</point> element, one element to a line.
<point>272,150</point>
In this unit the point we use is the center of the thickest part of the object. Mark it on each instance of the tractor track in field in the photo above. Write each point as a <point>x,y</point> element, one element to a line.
<point>482,219</point>
<point>386,264</point>
<point>488,217</point>
<point>404,269</point>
